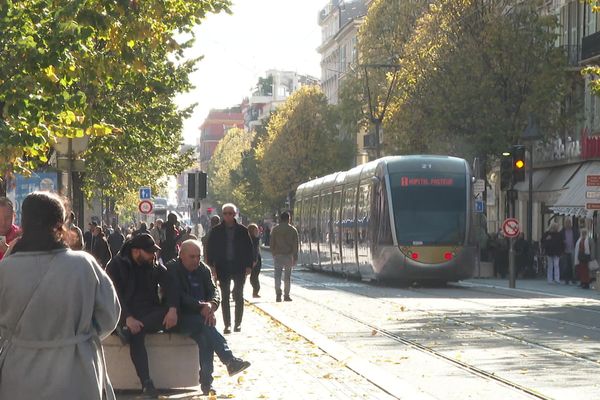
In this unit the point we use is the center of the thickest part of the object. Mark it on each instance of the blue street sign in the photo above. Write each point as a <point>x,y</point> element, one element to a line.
<point>145,193</point>
<point>479,206</point>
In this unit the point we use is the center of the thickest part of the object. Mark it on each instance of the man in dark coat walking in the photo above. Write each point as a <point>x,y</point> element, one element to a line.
<point>230,255</point>
<point>199,299</point>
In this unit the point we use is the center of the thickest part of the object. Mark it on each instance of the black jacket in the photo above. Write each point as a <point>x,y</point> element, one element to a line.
<point>101,251</point>
<point>553,243</point>
<point>216,249</point>
<point>179,276</point>
<point>120,270</point>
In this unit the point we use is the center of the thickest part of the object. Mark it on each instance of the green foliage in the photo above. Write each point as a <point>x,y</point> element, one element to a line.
<point>302,143</point>
<point>223,167</point>
<point>108,69</point>
<point>471,73</point>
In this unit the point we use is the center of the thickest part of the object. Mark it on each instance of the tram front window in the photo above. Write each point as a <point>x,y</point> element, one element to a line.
<point>429,208</point>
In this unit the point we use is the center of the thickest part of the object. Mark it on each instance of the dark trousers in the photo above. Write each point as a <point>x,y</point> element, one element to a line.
<point>238,296</point>
<point>254,277</point>
<point>209,341</point>
<point>152,320</point>
<point>566,272</point>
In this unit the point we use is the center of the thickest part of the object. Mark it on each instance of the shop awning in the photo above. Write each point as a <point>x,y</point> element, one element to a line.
<point>548,184</point>
<point>573,200</point>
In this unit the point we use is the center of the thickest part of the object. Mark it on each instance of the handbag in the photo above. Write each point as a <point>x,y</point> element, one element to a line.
<point>582,257</point>
<point>593,265</point>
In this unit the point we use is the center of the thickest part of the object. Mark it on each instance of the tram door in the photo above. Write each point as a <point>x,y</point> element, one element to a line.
<point>302,218</point>
<point>336,231</point>
<point>349,231</point>
<point>324,231</point>
<point>313,234</point>
<point>363,240</point>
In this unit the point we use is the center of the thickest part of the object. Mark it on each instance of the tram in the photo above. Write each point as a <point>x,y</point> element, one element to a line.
<point>401,218</point>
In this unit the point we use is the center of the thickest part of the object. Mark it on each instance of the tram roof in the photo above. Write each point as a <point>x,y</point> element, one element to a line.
<point>393,163</point>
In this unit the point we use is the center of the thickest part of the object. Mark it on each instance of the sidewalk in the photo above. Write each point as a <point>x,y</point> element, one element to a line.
<point>540,285</point>
<point>284,366</point>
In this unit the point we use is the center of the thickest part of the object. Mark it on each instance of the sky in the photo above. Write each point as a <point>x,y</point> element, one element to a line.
<point>239,48</point>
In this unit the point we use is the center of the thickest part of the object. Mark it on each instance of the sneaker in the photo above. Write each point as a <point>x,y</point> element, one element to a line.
<point>208,390</point>
<point>237,328</point>
<point>236,365</point>
<point>148,389</point>
<point>227,330</point>
<point>287,298</point>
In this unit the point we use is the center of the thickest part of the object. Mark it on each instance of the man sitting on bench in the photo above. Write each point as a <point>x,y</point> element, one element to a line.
<point>199,299</point>
<point>136,277</point>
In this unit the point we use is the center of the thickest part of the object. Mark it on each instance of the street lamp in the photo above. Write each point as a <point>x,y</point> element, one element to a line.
<point>529,136</point>
<point>376,115</point>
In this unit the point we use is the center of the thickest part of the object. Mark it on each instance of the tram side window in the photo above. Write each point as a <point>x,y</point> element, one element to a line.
<point>298,213</point>
<point>314,208</point>
<point>336,217</point>
<point>305,228</point>
<point>384,231</point>
<point>325,217</point>
<point>348,217</point>
<point>362,217</point>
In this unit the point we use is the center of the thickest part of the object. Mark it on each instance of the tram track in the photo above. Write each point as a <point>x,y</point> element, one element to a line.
<point>521,340</point>
<point>465,366</point>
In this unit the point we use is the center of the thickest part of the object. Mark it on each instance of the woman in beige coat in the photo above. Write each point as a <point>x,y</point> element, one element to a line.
<point>55,306</point>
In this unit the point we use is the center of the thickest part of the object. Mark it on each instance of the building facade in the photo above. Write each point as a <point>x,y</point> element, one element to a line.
<point>213,129</point>
<point>270,93</point>
<point>340,21</point>
<point>562,164</point>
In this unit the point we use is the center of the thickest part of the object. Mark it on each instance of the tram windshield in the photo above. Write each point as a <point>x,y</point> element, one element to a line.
<point>429,208</point>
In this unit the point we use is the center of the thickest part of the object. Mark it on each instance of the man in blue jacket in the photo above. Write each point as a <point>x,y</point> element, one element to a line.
<point>199,299</point>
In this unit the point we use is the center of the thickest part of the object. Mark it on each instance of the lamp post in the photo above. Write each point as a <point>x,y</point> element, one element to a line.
<point>529,136</point>
<point>375,114</point>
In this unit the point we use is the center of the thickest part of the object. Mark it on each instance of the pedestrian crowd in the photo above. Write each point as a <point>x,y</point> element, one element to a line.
<point>125,282</point>
<point>564,254</point>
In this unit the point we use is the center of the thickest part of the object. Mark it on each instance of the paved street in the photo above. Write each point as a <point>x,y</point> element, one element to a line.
<point>342,339</point>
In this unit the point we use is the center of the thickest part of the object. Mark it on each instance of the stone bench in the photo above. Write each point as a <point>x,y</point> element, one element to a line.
<point>172,358</point>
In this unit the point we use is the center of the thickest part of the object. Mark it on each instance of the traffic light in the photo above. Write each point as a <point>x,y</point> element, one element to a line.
<point>518,163</point>
<point>506,171</point>
<point>191,193</point>
<point>202,178</point>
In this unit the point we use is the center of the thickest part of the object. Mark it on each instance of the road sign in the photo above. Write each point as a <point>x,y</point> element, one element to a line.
<point>479,186</point>
<point>145,206</point>
<point>592,180</point>
<point>145,193</point>
<point>510,227</point>
<point>592,195</point>
<point>592,206</point>
<point>479,205</point>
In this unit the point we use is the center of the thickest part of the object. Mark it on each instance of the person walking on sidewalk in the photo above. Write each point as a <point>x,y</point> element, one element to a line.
<point>284,248</point>
<point>583,256</point>
<point>230,256</point>
<point>569,236</point>
<point>254,235</point>
<point>199,299</point>
<point>554,248</point>
<point>57,304</point>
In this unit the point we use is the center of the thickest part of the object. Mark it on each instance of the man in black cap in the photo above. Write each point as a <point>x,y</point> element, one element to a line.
<point>136,277</point>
